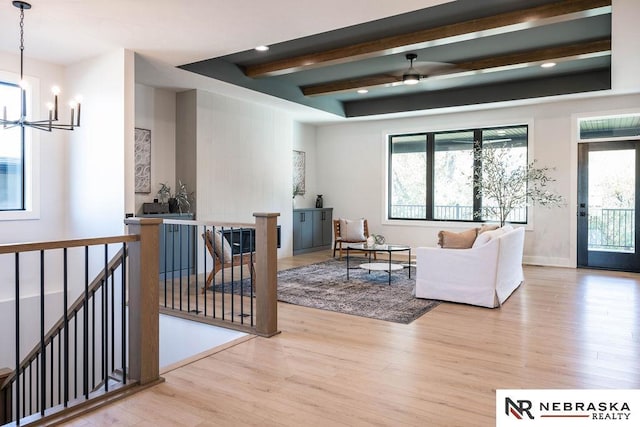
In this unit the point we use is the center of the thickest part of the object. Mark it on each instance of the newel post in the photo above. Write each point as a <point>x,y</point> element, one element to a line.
<point>144,341</point>
<point>266,274</point>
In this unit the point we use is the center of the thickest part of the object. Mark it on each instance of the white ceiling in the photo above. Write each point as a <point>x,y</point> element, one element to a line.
<point>178,32</point>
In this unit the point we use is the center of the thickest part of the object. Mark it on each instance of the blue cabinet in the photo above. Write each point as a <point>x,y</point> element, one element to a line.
<point>312,229</point>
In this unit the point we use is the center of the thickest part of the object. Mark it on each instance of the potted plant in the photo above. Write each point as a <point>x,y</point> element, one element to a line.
<point>509,186</point>
<point>183,198</point>
<point>180,202</point>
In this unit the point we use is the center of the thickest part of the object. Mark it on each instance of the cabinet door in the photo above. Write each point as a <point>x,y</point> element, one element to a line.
<point>297,230</point>
<point>318,228</point>
<point>306,229</point>
<point>327,227</point>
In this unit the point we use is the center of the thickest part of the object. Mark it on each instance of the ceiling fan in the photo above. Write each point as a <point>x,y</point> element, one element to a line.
<point>413,76</point>
<point>409,76</point>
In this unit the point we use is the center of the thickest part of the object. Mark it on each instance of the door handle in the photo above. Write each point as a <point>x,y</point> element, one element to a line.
<point>582,213</point>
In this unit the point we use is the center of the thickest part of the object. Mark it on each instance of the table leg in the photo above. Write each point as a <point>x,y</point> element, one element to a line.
<point>389,268</point>
<point>347,262</point>
<point>409,263</point>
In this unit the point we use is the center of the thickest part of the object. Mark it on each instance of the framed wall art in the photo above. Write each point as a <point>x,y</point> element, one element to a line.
<point>142,160</point>
<point>298,173</point>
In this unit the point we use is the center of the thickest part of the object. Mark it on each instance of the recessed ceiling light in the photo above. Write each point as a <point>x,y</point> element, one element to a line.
<point>363,91</point>
<point>262,48</point>
<point>548,65</point>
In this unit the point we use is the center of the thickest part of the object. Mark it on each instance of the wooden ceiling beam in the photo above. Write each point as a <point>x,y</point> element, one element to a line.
<point>476,28</point>
<point>510,60</point>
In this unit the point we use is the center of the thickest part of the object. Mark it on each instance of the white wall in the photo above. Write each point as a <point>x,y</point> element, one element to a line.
<point>99,149</point>
<point>624,49</point>
<point>155,109</point>
<point>244,162</point>
<point>304,139</point>
<point>357,188</point>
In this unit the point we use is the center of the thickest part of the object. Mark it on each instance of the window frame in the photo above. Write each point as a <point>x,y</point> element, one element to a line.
<point>31,154</point>
<point>430,157</point>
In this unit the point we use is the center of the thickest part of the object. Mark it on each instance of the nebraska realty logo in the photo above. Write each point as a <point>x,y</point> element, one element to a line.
<point>567,407</point>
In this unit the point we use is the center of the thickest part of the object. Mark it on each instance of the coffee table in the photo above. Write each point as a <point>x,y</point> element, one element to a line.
<point>379,266</point>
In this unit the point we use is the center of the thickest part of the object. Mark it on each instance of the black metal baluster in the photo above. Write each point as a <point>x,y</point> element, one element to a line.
<point>222,276</point>
<point>24,397</point>
<point>165,238</point>
<point>204,267</point>
<point>113,315</point>
<point>93,340</point>
<point>232,275</point>
<point>123,315</point>
<point>189,232</point>
<point>241,246</point>
<point>38,384</point>
<point>105,309</point>
<point>180,262</point>
<point>75,355</point>
<point>51,372</point>
<point>251,270</point>
<point>43,389</point>
<point>85,331</point>
<point>173,265</point>
<point>17,354</point>
<point>65,292</point>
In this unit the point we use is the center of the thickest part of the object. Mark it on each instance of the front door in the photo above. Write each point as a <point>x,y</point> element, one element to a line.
<point>608,202</point>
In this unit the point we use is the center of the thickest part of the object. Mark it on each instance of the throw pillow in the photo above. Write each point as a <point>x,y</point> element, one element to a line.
<point>221,247</point>
<point>462,240</point>
<point>486,237</point>
<point>352,230</point>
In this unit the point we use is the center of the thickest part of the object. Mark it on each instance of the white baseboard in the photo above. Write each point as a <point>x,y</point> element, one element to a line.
<point>548,261</point>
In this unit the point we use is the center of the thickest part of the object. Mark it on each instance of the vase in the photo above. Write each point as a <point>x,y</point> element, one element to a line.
<point>173,205</point>
<point>319,201</point>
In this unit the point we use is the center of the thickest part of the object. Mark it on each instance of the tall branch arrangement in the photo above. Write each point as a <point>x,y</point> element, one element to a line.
<point>504,184</point>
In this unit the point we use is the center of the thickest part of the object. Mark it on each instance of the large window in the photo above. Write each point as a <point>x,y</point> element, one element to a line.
<point>435,175</point>
<point>11,152</point>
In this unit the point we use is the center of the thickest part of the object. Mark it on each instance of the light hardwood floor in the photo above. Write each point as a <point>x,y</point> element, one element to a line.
<point>564,328</point>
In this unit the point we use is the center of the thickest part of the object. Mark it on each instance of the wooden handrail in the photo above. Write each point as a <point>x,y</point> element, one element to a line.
<point>11,248</point>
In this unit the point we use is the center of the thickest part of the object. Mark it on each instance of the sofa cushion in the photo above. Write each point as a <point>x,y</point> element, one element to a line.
<point>222,247</point>
<point>462,240</point>
<point>486,237</point>
<point>352,230</point>
<point>487,227</point>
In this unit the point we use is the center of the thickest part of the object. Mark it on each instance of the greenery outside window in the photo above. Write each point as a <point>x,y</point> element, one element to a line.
<point>431,174</point>
<point>12,150</point>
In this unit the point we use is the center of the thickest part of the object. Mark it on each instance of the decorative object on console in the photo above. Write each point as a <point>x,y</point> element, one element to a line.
<point>46,124</point>
<point>180,202</point>
<point>319,201</point>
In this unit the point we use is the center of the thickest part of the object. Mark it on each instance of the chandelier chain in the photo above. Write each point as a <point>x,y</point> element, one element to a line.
<point>21,29</point>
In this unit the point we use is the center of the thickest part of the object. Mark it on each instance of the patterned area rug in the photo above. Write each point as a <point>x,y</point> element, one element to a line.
<point>325,286</point>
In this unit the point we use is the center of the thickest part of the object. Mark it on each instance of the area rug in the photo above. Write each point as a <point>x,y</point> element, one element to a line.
<point>325,286</point>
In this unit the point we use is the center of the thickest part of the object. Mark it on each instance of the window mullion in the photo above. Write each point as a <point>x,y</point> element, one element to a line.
<point>430,175</point>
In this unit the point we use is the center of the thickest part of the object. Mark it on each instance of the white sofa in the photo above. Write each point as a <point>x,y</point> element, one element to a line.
<point>484,275</point>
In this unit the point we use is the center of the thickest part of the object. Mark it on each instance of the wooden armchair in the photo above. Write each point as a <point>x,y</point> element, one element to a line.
<point>338,239</point>
<point>223,257</point>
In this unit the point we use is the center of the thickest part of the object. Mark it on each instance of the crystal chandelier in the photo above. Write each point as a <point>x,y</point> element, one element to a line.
<point>47,124</point>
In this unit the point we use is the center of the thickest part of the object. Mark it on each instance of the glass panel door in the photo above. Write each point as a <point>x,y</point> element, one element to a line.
<point>607,220</point>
